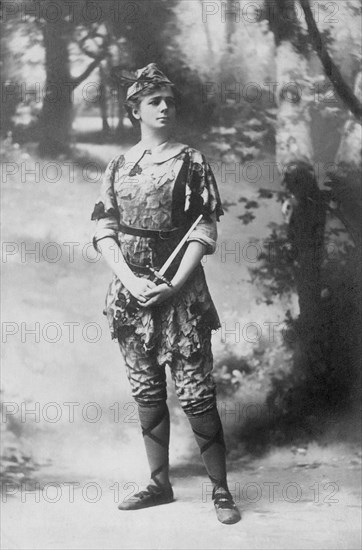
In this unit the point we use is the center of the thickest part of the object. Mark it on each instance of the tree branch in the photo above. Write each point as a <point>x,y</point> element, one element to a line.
<point>97,58</point>
<point>89,53</point>
<point>332,71</point>
<point>207,35</point>
<point>79,79</point>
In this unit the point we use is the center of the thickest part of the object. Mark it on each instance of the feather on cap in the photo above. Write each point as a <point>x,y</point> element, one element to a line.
<point>150,74</point>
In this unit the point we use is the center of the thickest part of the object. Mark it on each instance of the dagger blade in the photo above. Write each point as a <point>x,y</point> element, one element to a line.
<point>173,255</point>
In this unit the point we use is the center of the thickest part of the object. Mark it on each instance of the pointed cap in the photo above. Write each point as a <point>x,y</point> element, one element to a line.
<point>151,74</point>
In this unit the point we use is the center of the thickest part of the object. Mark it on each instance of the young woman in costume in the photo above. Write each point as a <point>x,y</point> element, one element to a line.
<point>150,197</point>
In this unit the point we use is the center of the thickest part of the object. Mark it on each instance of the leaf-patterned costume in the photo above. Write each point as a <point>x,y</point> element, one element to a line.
<point>162,189</point>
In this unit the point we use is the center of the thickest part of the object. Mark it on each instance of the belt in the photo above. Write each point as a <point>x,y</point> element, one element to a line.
<point>151,233</point>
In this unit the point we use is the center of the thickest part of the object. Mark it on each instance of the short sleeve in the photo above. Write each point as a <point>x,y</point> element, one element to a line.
<point>106,211</point>
<point>202,194</point>
<point>206,233</point>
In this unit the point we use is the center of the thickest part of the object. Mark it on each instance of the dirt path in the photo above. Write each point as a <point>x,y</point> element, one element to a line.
<point>287,501</point>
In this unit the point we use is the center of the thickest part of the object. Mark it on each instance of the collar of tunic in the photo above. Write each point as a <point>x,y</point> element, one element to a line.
<point>158,155</point>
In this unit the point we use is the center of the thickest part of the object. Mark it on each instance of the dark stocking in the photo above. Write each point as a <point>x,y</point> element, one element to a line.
<point>155,423</point>
<point>209,436</point>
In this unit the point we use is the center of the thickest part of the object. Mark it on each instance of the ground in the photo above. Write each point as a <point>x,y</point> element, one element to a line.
<point>310,502</point>
<point>67,390</point>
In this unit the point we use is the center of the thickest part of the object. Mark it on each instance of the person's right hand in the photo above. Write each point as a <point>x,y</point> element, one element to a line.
<point>137,286</point>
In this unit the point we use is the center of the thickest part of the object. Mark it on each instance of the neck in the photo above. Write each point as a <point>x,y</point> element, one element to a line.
<point>152,138</point>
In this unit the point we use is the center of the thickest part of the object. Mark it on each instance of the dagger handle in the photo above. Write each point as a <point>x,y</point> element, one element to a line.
<point>159,277</point>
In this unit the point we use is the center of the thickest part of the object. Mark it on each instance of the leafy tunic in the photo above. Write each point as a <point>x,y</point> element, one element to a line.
<point>160,189</point>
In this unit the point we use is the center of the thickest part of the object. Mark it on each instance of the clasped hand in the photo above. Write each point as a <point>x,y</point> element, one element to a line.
<point>147,293</point>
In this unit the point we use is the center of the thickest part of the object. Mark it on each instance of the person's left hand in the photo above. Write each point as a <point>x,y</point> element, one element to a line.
<point>157,295</point>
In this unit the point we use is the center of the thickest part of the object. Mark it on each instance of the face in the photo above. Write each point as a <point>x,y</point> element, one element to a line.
<point>157,110</point>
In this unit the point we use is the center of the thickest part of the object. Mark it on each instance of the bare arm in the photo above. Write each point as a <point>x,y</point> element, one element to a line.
<point>191,259</point>
<point>111,252</point>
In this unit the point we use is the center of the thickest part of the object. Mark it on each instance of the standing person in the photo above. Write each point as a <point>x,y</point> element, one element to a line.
<point>149,198</point>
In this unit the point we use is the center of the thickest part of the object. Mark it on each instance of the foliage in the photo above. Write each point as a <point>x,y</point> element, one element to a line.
<point>241,135</point>
<point>274,275</point>
<point>255,373</point>
<point>195,51</point>
<point>318,390</point>
<point>293,404</point>
<point>293,394</point>
<point>238,129</point>
<point>340,25</point>
<point>23,74</point>
<point>17,465</point>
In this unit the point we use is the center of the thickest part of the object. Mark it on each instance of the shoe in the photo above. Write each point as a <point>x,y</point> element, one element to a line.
<point>151,496</point>
<point>226,510</point>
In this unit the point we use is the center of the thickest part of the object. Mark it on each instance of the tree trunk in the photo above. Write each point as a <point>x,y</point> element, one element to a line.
<point>293,137</point>
<point>210,49</point>
<point>346,175</point>
<point>346,292</point>
<point>121,112</point>
<point>332,71</point>
<point>103,103</point>
<point>56,116</point>
<point>231,16</point>
<point>294,154</point>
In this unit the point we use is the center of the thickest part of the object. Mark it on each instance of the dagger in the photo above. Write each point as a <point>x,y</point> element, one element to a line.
<point>160,274</point>
<point>132,303</point>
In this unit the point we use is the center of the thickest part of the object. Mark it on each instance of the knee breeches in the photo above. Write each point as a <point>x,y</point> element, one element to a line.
<point>192,376</point>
